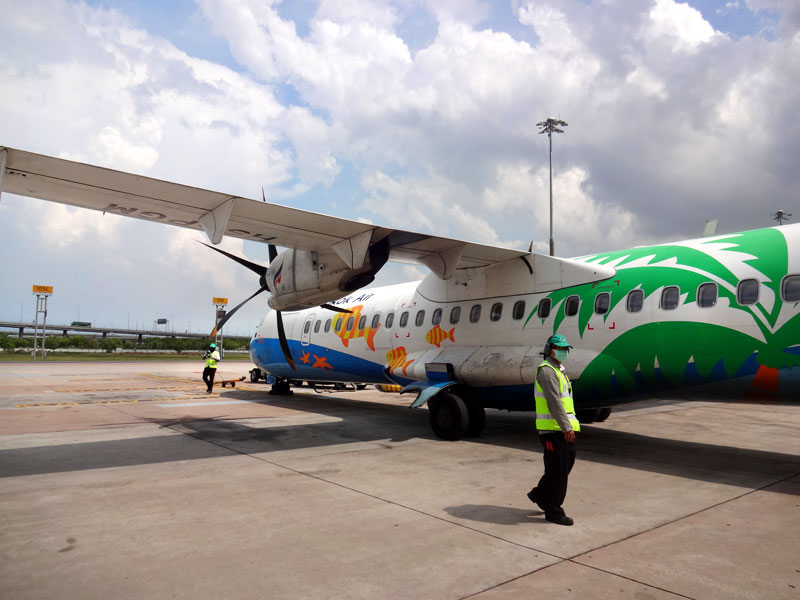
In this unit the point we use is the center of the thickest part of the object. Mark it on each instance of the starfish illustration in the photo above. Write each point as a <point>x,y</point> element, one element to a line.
<point>321,362</point>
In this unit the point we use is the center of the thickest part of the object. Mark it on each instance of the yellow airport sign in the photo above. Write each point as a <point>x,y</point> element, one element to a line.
<point>43,289</point>
<point>219,301</point>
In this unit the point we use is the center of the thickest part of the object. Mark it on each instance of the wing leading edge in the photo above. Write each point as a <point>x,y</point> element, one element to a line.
<point>97,188</point>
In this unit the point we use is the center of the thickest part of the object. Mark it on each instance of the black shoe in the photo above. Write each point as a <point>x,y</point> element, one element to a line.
<point>560,520</point>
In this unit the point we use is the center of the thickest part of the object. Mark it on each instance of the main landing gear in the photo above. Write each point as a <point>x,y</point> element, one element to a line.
<point>593,415</point>
<point>456,414</point>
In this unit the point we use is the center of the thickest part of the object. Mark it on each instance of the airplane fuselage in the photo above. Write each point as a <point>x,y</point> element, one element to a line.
<point>710,317</point>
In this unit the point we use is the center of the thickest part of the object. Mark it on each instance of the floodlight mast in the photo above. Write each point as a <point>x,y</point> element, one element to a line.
<point>549,127</point>
<point>781,216</point>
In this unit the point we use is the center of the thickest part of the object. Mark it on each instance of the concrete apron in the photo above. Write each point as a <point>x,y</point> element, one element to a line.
<point>166,493</point>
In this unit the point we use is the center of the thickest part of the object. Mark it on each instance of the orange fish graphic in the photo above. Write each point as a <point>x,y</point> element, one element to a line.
<point>397,359</point>
<point>305,358</point>
<point>348,329</point>
<point>437,335</point>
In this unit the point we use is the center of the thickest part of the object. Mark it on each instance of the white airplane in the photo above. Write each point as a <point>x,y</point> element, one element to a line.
<point>711,317</point>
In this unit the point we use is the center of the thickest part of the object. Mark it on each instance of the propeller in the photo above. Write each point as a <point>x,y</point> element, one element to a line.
<point>261,271</point>
<point>335,308</point>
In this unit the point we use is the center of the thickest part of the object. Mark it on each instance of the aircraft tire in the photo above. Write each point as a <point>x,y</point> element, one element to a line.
<point>588,415</point>
<point>281,387</point>
<point>255,375</point>
<point>477,417</point>
<point>603,414</point>
<point>448,416</point>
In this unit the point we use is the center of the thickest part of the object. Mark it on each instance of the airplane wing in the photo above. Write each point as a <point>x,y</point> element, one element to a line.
<point>219,214</point>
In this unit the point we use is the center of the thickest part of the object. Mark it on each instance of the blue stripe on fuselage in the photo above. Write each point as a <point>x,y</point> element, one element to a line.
<point>314,363</point>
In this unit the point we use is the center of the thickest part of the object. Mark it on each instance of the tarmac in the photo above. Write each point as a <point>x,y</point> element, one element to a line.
<point>127,480</point>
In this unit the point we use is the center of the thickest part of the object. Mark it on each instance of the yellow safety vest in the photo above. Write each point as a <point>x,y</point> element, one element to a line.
<point>544,420</point>
<point>211,359</point>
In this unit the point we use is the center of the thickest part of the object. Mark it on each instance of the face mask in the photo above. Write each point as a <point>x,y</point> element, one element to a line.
<point>561,355</point>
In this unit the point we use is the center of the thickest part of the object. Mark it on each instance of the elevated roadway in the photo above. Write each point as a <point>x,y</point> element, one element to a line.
<point>64,330</point>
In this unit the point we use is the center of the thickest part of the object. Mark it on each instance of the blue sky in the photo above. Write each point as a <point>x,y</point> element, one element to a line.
<point>412,113</point>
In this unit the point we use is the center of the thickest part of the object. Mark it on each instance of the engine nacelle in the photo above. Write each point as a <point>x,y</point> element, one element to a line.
<point>301,279</point>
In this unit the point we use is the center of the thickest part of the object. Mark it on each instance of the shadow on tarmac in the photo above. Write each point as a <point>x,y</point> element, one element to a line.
<point>364,421</point>
<point>498,515</point>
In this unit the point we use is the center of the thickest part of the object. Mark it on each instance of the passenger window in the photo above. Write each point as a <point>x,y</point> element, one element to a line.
<point>307,327</point>
<point>362,322</point>
<point>437,317</point>
<point>376,320</point>
<point>571,306</point>
<point>790,288</point>
<point>350,322</point>
<point>497,311</point>
<point>747,292</point>
<point>317,325</point>
<point>475,313</point>
<point>670,296</point>
<point>519,310</point>
<point>327,326</point>
<point>338,326</point>
<point>602,302</point>
<point>389,320</point>
<point>544,308</point>
<point>404,319</point>
<point>420,319</point>
<point>707,295</point>
<point>635,301</point>
<point>455,315</point>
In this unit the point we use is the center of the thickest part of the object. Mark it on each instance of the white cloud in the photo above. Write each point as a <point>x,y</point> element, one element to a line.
<point>671,122</point>
<point>682,25</point>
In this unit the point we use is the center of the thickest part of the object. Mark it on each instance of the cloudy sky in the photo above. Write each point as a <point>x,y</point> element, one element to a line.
<point>418,114</point>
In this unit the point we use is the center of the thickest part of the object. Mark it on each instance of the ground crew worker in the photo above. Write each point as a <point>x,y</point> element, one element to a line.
<point>211,357</point>
<point>557,424</point>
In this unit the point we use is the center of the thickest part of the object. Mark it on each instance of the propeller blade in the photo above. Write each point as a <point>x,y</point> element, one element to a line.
<point>284,344</point>
<point>255,267</point>
<point>273,252</point>
<point>230,313</point>
<point>335,308</point>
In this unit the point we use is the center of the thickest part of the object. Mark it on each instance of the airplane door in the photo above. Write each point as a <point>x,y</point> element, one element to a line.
<point>305,336</point>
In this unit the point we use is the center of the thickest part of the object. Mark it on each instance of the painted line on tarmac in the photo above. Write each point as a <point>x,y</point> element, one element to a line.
<point>127,389</point>
<point>47,404</point>
<point>200,403</point>
<point>166,402</point>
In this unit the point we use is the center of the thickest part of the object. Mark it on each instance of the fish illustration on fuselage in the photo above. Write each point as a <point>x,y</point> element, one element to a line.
<point>347,326</point>
<point>396,359</point>
<point>437,335</point>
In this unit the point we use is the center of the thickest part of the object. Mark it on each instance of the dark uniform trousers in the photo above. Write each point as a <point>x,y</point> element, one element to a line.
<point>559,457</point>
<point>208,377</point>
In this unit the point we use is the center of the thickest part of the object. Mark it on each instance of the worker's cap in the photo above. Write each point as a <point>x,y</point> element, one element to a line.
<point>559,340</point>
<point>213,345</point>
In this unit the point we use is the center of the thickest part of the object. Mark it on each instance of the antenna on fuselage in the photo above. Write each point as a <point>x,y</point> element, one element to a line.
<point>710,228</point>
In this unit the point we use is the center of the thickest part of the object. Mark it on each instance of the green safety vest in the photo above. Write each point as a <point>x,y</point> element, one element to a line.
<point>211,359</point>
<point>544,420</point>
